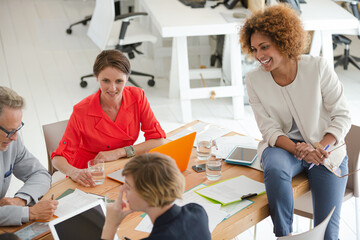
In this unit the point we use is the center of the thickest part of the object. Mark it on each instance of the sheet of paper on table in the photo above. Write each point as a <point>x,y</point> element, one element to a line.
<point>232,190</point>
<point>73,201</point>
<point>202,128</point>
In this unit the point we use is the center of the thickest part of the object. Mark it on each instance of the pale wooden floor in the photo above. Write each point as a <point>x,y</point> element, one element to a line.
<point>43,64</point>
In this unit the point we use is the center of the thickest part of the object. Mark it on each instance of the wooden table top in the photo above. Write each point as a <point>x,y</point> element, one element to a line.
<point>227,229</point>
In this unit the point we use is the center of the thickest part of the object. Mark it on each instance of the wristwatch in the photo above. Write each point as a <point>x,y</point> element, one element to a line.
<point>130,151</point>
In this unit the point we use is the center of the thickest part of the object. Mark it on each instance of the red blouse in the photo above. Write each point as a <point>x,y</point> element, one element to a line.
<point>90,130</point>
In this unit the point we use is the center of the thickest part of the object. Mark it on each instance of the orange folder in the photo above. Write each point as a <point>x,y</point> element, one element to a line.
<point>179,149</point>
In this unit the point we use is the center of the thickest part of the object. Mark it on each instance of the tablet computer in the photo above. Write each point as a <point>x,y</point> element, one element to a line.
<point>85,223</point>
<point>242,156</point>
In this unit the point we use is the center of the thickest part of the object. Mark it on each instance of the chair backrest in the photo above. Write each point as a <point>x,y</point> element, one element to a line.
<point>53,133</point>
<point>352,140</point>
<point>317,233</point>
<point>102,22</point>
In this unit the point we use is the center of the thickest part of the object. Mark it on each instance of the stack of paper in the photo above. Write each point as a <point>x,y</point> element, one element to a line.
<point>224,145</point>
<point>232,190</point>
<point>73,201</point>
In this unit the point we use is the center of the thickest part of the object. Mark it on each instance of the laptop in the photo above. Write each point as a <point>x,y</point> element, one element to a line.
<point>85,223</point>
<point>179,149</point>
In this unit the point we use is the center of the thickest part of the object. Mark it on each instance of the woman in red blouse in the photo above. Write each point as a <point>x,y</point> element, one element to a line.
<point>105,125</point>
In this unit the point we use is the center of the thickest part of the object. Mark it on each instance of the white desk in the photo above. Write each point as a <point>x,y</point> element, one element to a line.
<point>174,19</point>
<point>325,18</point>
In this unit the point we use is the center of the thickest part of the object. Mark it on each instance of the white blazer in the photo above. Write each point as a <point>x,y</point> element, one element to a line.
<point>315,99</point>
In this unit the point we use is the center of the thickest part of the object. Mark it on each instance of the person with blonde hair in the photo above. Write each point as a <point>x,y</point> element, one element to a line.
<point>300,109</point>
<point>152,184</point>
<point>16,160</point>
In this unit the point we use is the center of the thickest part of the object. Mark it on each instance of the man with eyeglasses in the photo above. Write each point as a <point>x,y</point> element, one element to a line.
<point>16,160</point>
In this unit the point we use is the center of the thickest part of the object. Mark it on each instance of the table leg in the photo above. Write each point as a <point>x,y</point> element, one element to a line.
<point>180,64</point>
<point>174,79</point>
<point>236,75</point>
<point>315,47</point>
<point>327,47</point>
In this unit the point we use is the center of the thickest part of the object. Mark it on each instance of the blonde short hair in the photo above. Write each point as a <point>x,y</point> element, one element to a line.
<point>10,98</point>
<point>157,178</point>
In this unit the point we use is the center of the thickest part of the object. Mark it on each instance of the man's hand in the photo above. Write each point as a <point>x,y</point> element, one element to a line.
<point>43,210</point>
<point>12,201</point>
<point>82,176</point>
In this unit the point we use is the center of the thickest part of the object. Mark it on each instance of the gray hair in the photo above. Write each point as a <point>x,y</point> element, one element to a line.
<point>10,98</point>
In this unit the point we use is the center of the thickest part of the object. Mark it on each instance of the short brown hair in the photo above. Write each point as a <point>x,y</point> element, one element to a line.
<point>282,25</point>
<point>10,98</point>
<point>111,58</point>
<point>157,178</point>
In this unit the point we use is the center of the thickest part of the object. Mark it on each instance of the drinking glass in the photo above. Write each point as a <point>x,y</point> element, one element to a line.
<point>203,149</point>
<point>213,169</point>
<point>97,171</point>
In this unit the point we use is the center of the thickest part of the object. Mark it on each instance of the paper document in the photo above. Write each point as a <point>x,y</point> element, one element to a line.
<point>235,207</point>
<point>232,190</point>
<point>73,201</point>
<point>202,128</point>
<point>224,145</point>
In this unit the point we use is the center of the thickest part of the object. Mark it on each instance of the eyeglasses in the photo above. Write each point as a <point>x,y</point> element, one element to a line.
<point>11,133</point>
<point>336,170</point>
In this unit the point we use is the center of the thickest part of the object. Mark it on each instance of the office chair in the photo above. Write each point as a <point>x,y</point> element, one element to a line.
<point>346,58</point>
<point>53,133</point>
<point>341,39</point>
<point>109,31</point>
<point>88,18</point>
<point>303,205</point>
<point>317,233</point>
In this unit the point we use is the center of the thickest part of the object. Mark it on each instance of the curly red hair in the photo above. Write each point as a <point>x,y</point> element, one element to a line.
<point>282,25</point>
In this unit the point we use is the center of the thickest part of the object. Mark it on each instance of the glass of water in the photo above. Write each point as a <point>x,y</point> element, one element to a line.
<point>213,169</point>
<point>97,171</point>
<point>203,149</point>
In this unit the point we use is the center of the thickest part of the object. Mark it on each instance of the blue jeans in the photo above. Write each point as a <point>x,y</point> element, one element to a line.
<point>327,190</point>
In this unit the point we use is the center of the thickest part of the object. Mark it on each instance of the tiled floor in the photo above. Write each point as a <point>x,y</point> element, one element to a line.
<point>43,64</point>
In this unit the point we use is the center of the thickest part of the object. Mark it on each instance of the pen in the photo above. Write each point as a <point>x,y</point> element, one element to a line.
<point>126,238</point>
<point>248,196</point>
<point>52,197</point>
<point>313,164</point>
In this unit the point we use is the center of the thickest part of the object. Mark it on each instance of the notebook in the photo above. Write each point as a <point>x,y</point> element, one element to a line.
<point>85,223</point>
<point>179,149</point>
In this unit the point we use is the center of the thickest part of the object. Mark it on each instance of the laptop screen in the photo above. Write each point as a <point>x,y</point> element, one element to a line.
<point>84,225</point>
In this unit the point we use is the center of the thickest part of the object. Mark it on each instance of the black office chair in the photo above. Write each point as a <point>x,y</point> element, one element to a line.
<point>346,58</point>
<point>109,31</point>
<point>341,39</point>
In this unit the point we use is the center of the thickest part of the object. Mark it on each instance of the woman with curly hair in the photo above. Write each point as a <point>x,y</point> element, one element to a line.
<point>300,109</point>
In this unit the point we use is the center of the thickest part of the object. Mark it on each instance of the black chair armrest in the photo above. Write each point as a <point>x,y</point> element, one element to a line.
<point>129,16</point>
